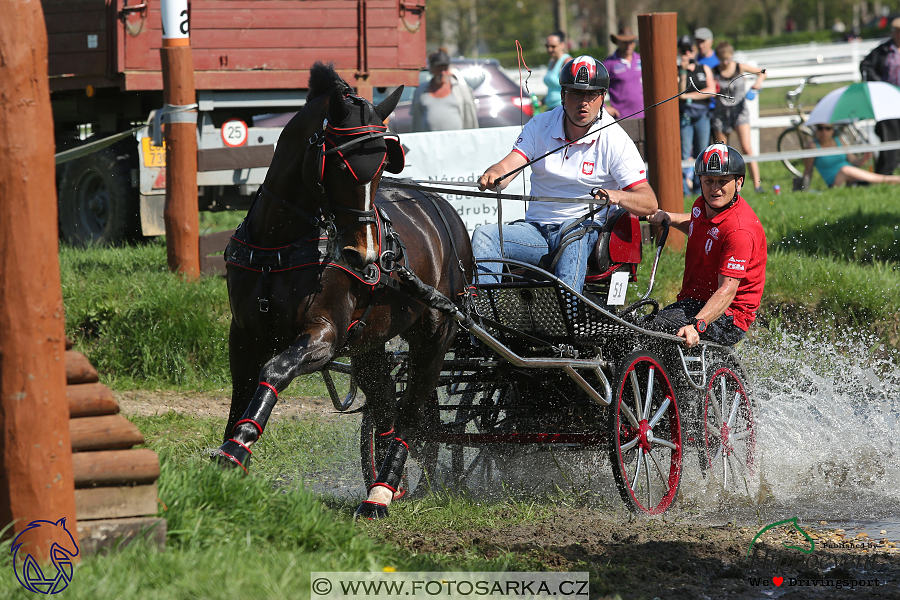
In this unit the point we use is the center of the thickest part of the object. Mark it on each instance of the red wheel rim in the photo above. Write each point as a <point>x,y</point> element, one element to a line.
<point>650,431</point>
<point>729,429</point>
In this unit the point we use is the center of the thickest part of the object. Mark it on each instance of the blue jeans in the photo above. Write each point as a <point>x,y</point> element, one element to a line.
<point>694,140</point>
<point>528,242</point>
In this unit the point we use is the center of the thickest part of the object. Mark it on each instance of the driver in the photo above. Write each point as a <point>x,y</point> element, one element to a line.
<point>606,159</point>
<point>725,263</point>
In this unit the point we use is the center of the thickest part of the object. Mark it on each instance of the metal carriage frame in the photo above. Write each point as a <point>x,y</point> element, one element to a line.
<point>545,366</point>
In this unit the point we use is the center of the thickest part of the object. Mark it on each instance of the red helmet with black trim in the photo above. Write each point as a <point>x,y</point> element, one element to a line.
<point>719,159</point>
<point>584,73</point>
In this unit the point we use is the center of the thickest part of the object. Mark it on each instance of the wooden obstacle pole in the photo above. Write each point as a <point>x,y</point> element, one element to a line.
<point>36,472</point>
<point>659,53</point>
<point>181,212</point>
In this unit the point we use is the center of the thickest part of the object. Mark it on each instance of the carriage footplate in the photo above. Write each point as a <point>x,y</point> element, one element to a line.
<point>389,478</point>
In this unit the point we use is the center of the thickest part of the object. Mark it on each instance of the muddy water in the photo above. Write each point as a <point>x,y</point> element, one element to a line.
<point>828,441</point>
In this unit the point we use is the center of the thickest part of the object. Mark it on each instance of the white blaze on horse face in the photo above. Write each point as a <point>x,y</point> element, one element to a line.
<point>371,248</point>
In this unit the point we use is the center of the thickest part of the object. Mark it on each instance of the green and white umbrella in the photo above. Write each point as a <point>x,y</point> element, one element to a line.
<point>866,100</point>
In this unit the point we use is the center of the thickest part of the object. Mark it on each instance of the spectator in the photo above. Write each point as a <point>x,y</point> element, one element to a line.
<point>883,64</point>
<point>733,115</point>
<point>838,26</point>
<point>839,169</point>
<point>604,161</point>
<point>445,102</point>
<point>556,48</point>
<point>725,261</point>
<point>705,54</point>
<point>626,89</point>
<point>693,106</point>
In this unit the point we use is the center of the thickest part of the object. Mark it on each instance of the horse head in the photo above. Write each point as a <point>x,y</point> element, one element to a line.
<point>343,167</point>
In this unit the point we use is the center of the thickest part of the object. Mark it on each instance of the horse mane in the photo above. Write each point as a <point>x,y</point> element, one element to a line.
<point>322,79</point>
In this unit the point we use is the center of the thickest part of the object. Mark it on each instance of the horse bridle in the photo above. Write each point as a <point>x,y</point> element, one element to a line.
<point>318,142</point>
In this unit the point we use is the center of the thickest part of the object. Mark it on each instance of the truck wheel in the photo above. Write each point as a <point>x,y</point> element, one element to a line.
<point>97,204</point>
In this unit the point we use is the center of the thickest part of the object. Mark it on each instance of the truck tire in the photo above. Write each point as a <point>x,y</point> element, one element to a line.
<point>97,204</point>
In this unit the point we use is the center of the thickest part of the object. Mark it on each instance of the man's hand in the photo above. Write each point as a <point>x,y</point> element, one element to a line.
<point>690,335</point>
<point>487,181</point>
<point>659,217</point>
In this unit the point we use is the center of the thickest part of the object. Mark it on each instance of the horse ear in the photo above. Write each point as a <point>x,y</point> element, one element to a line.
<point>338,111</point>
<point>387,106</point>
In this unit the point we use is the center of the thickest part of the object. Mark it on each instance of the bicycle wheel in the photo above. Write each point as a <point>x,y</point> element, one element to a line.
<point>793,139</point>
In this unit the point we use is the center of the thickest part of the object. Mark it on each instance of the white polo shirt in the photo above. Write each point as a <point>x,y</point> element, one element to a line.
<point>607,158</point>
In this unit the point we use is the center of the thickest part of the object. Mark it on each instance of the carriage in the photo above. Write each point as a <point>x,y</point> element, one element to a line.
<point>336,259</point>
<point>556,370</point>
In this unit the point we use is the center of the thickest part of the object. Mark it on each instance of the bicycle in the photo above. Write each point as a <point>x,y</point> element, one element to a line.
<point>799,135</point>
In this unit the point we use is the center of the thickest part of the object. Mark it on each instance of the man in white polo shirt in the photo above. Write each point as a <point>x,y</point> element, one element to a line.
<point>606,159</point>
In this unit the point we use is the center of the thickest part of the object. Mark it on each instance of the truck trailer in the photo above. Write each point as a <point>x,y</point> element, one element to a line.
<point>251,64</point>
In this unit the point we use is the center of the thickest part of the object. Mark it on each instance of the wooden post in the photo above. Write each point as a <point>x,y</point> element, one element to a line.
<point>181,212</point>
<point>658,33</point>
<point>36,474</point>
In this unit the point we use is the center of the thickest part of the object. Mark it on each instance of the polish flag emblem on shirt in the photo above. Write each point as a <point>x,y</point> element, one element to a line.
<point>587,168</point>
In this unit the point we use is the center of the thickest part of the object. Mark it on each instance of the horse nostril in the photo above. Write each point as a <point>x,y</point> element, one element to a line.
<point>353,257</point>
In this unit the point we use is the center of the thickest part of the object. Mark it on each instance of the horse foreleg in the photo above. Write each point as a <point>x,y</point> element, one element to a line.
<point>309,353</point>
<point>426,356</point>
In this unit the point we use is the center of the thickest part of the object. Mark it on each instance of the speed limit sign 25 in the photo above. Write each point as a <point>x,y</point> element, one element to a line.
<point>234,133</point>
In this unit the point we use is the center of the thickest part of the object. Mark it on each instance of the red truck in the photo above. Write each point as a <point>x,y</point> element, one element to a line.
<point>251,58</point>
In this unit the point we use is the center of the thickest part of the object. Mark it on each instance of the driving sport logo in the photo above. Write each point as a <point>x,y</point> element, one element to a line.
<point>29,572</point>
<point>586,63</point>
<point>715,157</point>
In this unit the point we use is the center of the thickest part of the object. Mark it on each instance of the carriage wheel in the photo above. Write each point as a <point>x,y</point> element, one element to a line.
<point>646,445</point>
<point>729,432</point>
<point>420,463</point>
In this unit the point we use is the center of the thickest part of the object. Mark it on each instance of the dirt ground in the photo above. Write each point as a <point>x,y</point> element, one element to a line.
<point>633,558</point>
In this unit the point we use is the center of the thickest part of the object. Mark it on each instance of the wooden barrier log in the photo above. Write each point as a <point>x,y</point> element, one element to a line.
<point>79,369</point>
<point>103,433</point>
<point>115,467</point>
<point>107,534</point>
<point>116,502</point>
<point>90,400</point>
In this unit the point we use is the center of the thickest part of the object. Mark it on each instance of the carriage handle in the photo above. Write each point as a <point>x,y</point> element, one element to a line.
<point>659,246</point>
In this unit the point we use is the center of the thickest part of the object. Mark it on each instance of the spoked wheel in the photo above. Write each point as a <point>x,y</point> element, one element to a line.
<point>646,448</point>
<point>793,139</point>
<point>729,432</point>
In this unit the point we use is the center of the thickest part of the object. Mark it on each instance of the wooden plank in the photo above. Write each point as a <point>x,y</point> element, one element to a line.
<point>77,42</point>
<point>288,19</point>
<point>277,40</point>
<point>212,249</point>
<point>116,502</point>
<point>107,534</point>
<point>115,468</point>
<point>243,157</point>
<point>113,432</point>
<point>89,21</point>
<point>57,7</point>
<point>79,369</point>
<point>90,400</point>
<point>275,79</point>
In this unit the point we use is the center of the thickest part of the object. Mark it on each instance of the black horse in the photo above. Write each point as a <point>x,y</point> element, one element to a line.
<point>310,276</point>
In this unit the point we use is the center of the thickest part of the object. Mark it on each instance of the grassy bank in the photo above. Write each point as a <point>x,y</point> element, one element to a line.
<point>831,253</point>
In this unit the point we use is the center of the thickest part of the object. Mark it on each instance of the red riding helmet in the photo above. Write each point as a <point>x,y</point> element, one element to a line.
<point>584,73</point>
<point>719,159</point>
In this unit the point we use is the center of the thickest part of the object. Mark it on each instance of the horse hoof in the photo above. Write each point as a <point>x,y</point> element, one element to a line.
<point>232,454</point>
<point>371,511</point>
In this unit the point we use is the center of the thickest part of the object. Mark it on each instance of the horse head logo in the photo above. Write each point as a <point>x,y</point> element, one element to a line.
<point>796,526</point>
<point>63,550</point>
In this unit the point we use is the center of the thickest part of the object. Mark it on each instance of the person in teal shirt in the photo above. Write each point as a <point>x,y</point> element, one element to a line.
<point>556,48</point>
<point>836,169</point>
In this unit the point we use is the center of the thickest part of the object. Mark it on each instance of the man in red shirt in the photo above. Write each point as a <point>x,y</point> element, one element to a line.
<point>725,263</point>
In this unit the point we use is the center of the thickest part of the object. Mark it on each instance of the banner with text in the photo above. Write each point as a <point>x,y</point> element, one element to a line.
<point>463,156</point>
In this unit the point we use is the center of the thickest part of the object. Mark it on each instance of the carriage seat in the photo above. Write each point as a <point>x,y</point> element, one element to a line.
<point>618,248</point>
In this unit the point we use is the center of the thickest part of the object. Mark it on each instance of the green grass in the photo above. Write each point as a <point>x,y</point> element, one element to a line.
<point>265,532</point>
<point>773,98</point>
